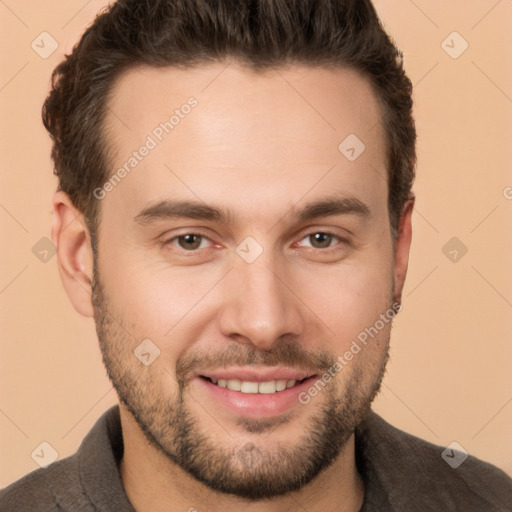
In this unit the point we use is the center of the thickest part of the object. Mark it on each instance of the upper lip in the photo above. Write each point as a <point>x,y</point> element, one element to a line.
<point>251,374</point>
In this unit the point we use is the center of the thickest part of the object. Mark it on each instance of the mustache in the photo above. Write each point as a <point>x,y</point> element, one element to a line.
<point>287,353</point>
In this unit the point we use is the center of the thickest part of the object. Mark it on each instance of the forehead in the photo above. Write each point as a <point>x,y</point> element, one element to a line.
<point>277,134</point>
<point>328,98</point>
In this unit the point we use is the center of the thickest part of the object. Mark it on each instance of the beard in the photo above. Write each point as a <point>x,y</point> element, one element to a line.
<point>255,470</point>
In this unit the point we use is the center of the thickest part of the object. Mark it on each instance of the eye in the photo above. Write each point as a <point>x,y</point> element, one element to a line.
<point>321,239</point>
<point>189,241</point>
<point>192,242</point>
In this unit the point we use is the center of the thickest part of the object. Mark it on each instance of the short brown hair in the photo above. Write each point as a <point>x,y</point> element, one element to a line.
<point>258,33</point>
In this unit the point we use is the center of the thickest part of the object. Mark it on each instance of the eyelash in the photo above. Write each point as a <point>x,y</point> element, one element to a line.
<point>195,251</point>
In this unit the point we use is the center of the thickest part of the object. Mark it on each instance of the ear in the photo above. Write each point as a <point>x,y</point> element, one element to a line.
<point>402,246</point>
<point>72,240</point>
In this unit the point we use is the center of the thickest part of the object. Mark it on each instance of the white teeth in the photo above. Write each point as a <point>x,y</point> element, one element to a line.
<point>280,385</point>
<point>249,387</point>
<point>266,388</point>
<point>234,384</point>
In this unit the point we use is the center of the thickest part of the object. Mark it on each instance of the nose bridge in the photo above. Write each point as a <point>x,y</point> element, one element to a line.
<point>261,308</point>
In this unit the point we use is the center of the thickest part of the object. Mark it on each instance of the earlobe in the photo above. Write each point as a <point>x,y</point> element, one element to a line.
<point>402,246</point>
<point>71,238</point>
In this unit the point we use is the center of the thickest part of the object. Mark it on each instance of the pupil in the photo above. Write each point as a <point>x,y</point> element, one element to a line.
<point>323,238</point>
<point>191,240</point>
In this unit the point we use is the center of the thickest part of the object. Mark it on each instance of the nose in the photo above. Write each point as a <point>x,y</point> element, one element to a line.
<point>260,306</point>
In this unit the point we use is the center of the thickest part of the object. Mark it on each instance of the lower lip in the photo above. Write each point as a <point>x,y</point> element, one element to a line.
<point>256,405</point>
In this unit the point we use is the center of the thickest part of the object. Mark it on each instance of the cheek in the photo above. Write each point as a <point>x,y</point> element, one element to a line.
<point>169,307</point>
<point>350,299</point>
<point>148,292</point>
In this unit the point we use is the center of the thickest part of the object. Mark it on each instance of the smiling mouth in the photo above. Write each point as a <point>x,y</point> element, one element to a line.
<point>253,387</point>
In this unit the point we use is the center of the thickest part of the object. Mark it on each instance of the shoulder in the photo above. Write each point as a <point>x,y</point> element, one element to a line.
<point>75,482</point>
<point>414,471</point>
<point>36,491</point>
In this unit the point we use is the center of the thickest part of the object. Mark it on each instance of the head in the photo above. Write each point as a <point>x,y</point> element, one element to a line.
<point>289,127</point>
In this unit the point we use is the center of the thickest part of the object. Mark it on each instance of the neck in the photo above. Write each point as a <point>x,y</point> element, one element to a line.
<point>153,483</point>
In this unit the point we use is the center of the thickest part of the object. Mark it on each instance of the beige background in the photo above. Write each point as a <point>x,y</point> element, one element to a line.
<point>449,376</point>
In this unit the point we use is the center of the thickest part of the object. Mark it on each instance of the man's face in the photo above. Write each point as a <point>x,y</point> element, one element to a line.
<point>266,295</point>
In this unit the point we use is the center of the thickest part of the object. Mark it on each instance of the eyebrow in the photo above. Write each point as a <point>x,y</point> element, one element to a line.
<point>173,209</point>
